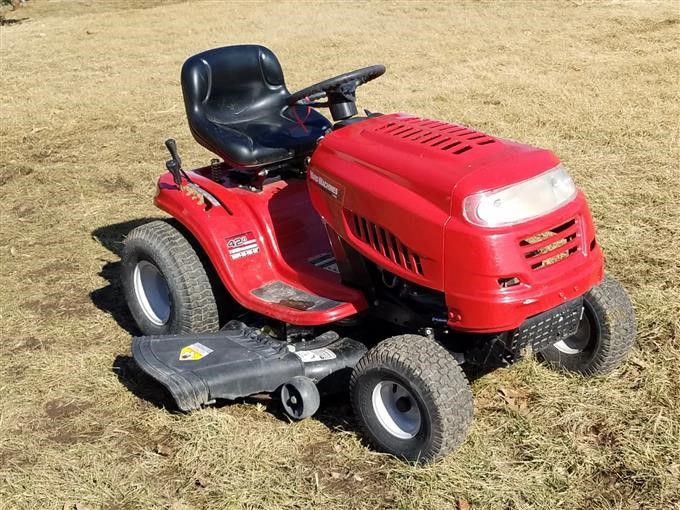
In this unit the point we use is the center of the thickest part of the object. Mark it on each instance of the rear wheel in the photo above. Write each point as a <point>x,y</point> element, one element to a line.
<point>604,337</point>
<point>411,398</point>
<point>165,284</point>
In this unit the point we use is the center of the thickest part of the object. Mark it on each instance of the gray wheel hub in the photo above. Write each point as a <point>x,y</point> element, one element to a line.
<point>152,292</point>
<point>396,409</point>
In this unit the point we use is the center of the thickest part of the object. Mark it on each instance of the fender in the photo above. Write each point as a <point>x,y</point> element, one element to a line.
<point>261,241</point>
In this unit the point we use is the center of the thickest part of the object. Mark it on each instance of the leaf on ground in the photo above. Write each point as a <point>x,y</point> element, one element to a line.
<point>163,450</point>
<point>639,363</point>
<point>463,504</point>
<point>515,399</point>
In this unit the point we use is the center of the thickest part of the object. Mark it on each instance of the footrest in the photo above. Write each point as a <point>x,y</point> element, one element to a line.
<point>281,293</point>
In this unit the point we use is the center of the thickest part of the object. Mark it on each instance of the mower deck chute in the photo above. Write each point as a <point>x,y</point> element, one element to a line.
<point>239,361</point>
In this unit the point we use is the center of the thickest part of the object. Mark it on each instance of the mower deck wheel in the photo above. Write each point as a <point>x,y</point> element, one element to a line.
<point>300,397</point>
<point>411,398</point>
<point>604,337</point>
<point>165,284</point>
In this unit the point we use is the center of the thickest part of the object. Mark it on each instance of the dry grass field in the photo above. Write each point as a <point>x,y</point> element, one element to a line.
<point>90,89</point>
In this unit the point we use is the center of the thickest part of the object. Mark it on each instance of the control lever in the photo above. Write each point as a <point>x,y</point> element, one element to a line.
<point>174,165</point>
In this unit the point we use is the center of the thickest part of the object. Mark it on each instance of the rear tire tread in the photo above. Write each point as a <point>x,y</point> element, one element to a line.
<point>194,293</point>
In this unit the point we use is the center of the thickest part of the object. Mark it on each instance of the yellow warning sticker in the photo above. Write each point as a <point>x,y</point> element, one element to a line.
<point>194,352</point>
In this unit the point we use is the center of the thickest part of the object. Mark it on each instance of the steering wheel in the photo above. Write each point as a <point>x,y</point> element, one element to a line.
<point>340,91</point>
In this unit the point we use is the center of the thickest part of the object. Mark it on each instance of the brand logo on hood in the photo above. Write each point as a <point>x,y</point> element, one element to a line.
<point>325,184</point>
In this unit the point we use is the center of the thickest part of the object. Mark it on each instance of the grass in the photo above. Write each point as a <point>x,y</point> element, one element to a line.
<point>89,90</point>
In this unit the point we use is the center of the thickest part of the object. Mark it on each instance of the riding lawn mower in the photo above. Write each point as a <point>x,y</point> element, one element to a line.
<point>380,253</point>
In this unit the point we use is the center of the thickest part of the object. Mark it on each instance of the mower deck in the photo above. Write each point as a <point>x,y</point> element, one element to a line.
<point>239,361</point>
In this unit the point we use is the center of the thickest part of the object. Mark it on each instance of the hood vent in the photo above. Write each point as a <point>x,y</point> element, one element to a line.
<point>383,242</point>
<point>451,138</point>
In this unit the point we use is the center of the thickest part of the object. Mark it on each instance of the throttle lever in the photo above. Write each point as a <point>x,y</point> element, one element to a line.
<point>174,165</point>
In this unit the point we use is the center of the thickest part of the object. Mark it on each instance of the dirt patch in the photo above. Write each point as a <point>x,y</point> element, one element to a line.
<point>117,182</point>
<point>12,171</point>
<point>67,424</point>
<point>15,458</point>
<point>57,304</point>
<point>69,436</point>
<point>58,409</point>
<point>23,211</point>
<point>53,270</point>
<point>322,460</point>
<point>29,343</point>
<point>56,269</point>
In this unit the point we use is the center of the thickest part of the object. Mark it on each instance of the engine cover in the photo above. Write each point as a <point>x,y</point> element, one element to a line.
<point>393,187</point>
<point>386,186</point>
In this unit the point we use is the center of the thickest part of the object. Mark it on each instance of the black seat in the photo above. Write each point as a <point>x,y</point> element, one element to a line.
<point>235,99</point>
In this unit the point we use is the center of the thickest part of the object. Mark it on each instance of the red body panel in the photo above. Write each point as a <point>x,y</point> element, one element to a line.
<point>254,239</point>
<point>393,186</point>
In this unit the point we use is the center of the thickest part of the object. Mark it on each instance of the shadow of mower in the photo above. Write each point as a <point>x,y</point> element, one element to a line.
<point>110,297</point>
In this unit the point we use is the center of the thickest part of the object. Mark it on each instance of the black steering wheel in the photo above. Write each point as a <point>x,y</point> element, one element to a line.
<point>339,91</point>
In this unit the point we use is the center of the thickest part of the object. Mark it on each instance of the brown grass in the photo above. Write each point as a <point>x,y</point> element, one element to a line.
<point>89,90</point>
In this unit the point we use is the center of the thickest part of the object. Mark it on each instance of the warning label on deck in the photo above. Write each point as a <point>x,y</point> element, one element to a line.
<point>194,352</point>
<point>312,355</point>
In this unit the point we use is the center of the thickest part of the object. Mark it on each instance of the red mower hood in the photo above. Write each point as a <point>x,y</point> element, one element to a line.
<point>437,160</point>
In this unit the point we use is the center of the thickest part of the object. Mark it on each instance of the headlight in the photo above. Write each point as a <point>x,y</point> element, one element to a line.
<point>520,202</point>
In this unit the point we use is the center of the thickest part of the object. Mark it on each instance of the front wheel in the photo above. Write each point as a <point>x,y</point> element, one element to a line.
<point>411,398</point>
<point>604,337</point>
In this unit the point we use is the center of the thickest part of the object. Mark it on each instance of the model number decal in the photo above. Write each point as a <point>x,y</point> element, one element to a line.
<point>242,245</point>
<point>330,188</point>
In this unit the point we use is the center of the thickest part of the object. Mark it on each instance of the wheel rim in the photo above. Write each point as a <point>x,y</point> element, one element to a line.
<point>292,401</point>
<point>580,341</point>
<point>396,409</point>
<point>152,291</point>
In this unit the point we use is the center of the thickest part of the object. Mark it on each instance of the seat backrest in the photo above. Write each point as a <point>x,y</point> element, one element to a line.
<point>231,85</point>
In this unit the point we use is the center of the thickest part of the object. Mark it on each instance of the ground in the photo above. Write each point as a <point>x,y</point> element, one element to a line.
<point>89,91</point>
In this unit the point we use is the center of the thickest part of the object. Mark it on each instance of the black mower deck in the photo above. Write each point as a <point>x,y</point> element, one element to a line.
<point>239,361</point>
